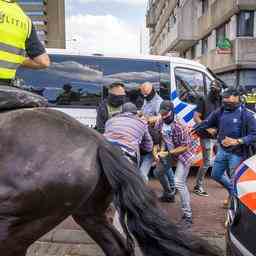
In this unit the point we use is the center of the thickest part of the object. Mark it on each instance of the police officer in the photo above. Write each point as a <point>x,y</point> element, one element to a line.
<point>18,39</point>
<point>250,100</point>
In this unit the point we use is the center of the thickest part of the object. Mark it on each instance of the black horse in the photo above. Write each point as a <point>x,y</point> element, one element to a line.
<point>51,166</point>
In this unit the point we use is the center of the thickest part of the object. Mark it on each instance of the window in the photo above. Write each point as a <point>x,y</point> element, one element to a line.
<point>204,45</point>
<point>248,78</point>
<point>205,6</point>
<point>69,82</point>
<point>193,52</point>
<point>165,82</point>
<point>31,1</point>
<point>90,76</point>
<point>172,22</point>
<point>245,24</point>
<point>36,13</point>
<point>220,33</point>
<point>39,23</point>
<point>189,84</point>
<point>208,82</point>
<point>134,72</point>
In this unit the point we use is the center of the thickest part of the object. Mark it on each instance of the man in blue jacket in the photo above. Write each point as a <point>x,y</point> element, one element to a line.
<point>235,126</point>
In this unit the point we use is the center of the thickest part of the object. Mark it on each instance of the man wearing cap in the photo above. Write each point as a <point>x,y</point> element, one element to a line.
<point>129,132</point>
<point>205,106</point>
<point>178,147</point>
<point>18,39</point>
<point>236,131</point>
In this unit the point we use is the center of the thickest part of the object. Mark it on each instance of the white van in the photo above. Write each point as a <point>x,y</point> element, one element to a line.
<point>178,79</point>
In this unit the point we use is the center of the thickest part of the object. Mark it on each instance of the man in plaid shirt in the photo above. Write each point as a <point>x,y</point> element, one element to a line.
<point>179,148</point>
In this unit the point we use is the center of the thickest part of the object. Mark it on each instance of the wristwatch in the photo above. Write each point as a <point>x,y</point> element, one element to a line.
<point>240,141</point>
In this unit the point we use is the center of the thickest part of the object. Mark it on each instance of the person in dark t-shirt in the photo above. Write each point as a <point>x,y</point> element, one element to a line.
<point>205,106</point>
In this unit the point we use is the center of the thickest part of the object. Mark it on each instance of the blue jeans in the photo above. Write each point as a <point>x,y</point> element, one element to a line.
<point>165,175</point>
<point>147,161</point>
<point>225,162</point>
<point>181,176</point>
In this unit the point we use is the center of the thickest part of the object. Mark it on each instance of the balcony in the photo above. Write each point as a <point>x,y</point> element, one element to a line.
<point>183,34</point>
<point>247,4</point>
<point>150,18</point>
<point>162,18</point>
<point>221,10</point>
<point>203,25</point>
<point>243,55</point>
<point>177,40</point>
<point>246,53</point>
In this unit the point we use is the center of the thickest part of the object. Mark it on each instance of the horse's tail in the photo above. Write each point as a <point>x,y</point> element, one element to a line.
<point>140,214</point>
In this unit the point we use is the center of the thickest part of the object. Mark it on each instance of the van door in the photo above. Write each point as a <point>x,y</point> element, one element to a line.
<point>190,85</point>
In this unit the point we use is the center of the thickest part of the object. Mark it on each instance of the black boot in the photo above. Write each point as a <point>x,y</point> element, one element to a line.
<point>167,198</point>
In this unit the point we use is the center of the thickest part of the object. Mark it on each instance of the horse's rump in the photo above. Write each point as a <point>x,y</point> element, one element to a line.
<point>46,157</point>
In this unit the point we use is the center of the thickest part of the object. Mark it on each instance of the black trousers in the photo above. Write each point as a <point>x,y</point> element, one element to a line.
<point>5,82</point>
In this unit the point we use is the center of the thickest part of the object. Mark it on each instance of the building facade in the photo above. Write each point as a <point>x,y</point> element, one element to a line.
<point>196,29</point>
<point>48,16</point>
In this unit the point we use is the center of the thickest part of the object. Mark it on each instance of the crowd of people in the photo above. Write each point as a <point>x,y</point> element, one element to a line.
<point>154,136</point>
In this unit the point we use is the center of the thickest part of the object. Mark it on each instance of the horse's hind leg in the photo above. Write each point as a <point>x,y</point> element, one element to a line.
<point>91,216</point>
<point>104,234</point>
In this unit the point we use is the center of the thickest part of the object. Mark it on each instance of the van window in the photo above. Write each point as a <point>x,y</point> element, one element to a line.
<point>89,77</point>
<point>189,84</point>
<point>132,73</point>
<point>208,82</point>
<point>69,81</point>
<point>165,81</point>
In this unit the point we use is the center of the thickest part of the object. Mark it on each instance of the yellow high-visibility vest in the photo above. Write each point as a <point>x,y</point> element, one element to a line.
<point>250,98</point>
<point>15,29</point>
